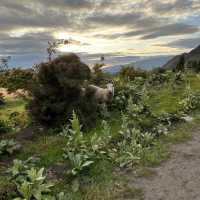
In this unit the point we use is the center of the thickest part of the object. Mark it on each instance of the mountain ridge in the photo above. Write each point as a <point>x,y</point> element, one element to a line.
<point>146,63</point>
<point>192,56</point>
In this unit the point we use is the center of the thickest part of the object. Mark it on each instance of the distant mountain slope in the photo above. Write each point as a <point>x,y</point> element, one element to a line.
<point>193,55</point>
<point>152,62</point>
<point>145,63</point>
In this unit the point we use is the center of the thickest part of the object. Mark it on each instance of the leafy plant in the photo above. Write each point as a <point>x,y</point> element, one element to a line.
<point>82,152</point>
<point>191,100</point>
<point>125,91</point>
<point>130,145</point>
<point>8,147</point>
<point>79,162</point>
<point>76,150</point>
<point>4,128</point>
<point>31,183</point>
<point>74,135</point>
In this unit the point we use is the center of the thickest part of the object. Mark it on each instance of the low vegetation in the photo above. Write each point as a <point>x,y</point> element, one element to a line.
<point>8,147</point>
<point>85,146</point>
<point>16,79</point>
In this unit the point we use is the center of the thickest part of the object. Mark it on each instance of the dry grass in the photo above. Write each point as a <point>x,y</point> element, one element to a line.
<point>18,93</point>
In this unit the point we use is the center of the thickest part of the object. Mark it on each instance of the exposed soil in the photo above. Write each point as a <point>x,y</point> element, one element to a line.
<point>176,179</point>
<point>17,93</point>
<point>29,133</point>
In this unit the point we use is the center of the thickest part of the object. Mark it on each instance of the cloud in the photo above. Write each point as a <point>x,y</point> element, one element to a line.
<point>28,44</point>
<point>171,30</point>
<point>46,19</point>
<point>141,20</point>
<point>152,33</point>
<point>166,7</point>
<point>67,4</point>
<point>134,20</point>
<point>187,43</point>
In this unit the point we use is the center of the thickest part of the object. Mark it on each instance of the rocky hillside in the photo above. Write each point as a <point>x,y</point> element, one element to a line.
<point>192,56</point>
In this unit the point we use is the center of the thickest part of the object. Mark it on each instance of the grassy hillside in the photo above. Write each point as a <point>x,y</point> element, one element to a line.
<point>111,154</point>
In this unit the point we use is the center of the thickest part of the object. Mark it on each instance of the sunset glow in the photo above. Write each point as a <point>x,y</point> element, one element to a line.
<point>112,28</point>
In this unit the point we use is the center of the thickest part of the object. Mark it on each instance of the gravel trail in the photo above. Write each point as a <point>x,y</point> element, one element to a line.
<point>178,178</point>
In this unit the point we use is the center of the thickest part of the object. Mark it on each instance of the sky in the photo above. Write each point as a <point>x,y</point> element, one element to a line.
<point>121,30</point>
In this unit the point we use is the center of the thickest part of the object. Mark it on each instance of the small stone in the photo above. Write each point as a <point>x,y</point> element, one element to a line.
<point>188,118</point>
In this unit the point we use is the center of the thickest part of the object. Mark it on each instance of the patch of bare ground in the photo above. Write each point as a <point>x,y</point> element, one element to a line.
<point>175,179</point>
<point>18,93</point>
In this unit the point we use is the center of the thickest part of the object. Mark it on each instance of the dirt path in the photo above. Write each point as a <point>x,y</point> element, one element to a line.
<point>178,178</point>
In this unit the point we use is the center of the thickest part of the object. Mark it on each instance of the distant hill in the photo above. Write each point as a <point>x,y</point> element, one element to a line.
<point>192,56</point>
<point>145,63</point>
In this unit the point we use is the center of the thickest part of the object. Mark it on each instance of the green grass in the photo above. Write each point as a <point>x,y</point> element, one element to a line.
<point>104,182</point>
<point>47,148</point>
<point>161,150</point>
<point>166,99</point>
<point>12,105</point>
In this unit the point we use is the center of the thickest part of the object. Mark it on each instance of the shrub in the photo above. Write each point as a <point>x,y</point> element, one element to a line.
<point>15,79</point>
<point>98,76</point>
<point>194,65</point>
<point>131,73</point>
<point>158,78</point>
<point>125,91</point>
<point>57,91</point>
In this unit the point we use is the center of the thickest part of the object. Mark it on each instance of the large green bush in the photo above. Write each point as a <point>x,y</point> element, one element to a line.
<point>57,91</point>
